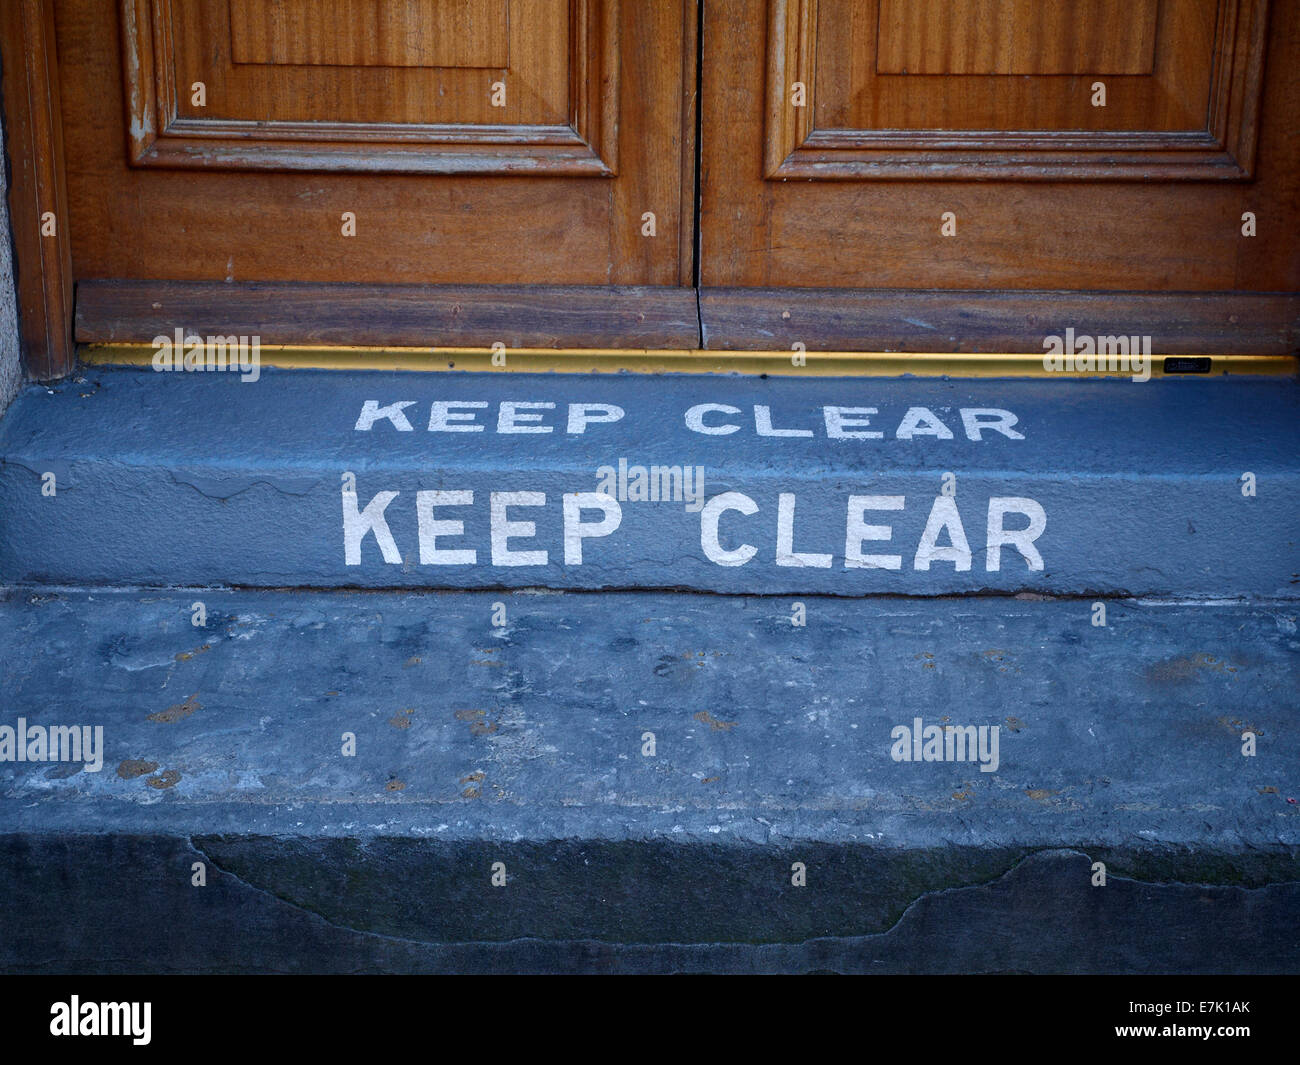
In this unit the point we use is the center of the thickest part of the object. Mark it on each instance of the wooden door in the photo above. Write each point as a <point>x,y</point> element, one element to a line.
<point>1130,162</point>
<point>902,175</point>
<point>231,144</point>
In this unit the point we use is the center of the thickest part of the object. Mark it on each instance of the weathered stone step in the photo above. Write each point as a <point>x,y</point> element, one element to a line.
<point>652,771</point>
<point>1172,487</point>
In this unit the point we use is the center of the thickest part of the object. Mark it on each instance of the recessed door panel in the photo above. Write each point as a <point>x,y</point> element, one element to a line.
<point>994,144</point>
<point>381,141</point>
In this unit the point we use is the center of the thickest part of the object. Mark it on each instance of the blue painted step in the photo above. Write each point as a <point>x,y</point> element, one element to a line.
<point>805,486</point>
<point>652,772</point>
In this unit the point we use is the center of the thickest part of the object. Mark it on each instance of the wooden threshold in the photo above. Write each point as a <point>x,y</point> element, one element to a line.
<point>328,315</point>
<point>695,360</point>
<point>911,320</point>
<point>593,329</point>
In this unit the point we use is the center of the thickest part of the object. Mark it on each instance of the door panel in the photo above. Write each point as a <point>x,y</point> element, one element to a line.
<point>985,108</point>
<point>374,85</point>
<point>919,90</point>
<point>1016,37</point>
<point>375,107</point>
<point>415,33</point>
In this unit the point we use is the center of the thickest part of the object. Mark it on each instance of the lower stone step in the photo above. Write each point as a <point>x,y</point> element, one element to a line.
<point>212,780</point>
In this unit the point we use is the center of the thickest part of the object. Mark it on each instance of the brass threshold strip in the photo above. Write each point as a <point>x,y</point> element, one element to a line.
<point>694,360</point>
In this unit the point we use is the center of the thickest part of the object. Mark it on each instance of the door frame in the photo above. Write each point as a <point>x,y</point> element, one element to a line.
<point>37,189</point>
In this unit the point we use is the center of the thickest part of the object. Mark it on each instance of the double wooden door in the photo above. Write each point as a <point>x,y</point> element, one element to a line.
<point>880,151</point>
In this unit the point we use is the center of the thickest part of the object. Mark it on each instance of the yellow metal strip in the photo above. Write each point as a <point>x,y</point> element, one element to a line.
<point>686,360</point>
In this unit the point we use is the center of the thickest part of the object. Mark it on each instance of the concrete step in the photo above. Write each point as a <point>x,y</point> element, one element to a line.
<point>515,728</point>
<point>807,486</point>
